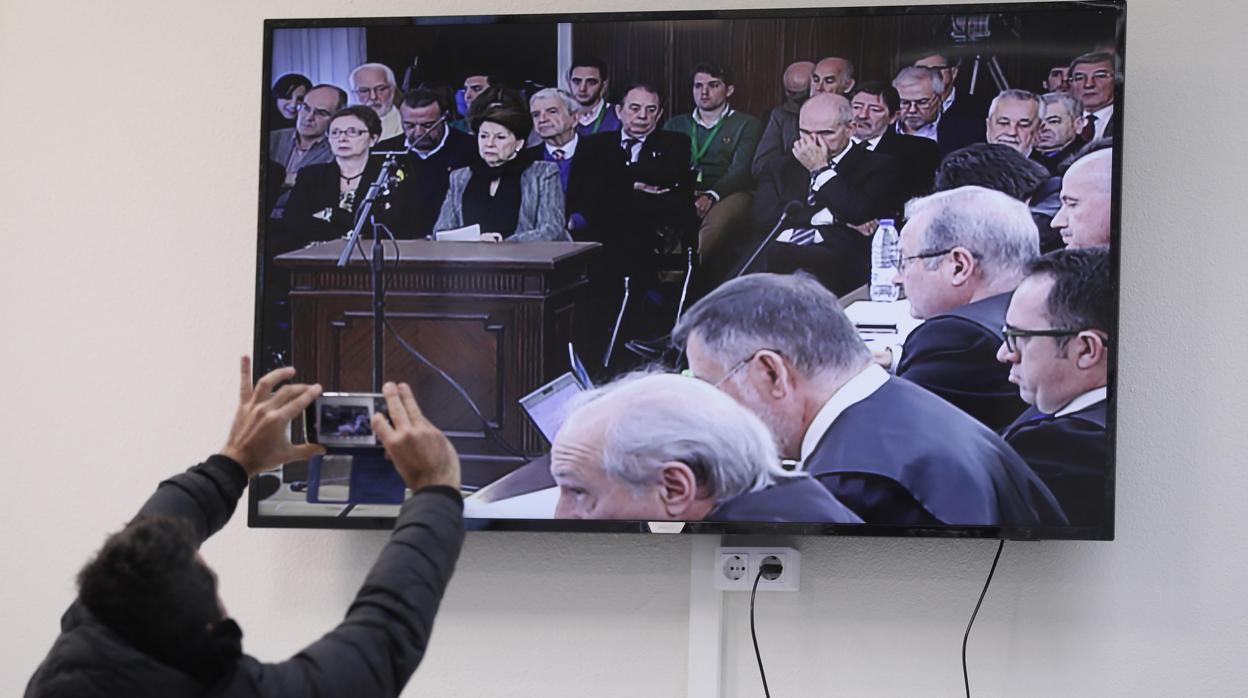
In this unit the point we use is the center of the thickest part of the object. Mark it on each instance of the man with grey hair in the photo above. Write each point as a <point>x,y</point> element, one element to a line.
<point>920,90</point>
<point>554,120</point>
<point>665,447</point>
<point>373,85</point>
<point>1057,141</point>
<point>1013,118</point>
<point>891,451</point>
<point>1087,192</point>
<point>963,252</point>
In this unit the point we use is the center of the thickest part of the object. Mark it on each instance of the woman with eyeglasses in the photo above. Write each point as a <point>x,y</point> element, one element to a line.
<point>509,196</point>
<point>325,199</point>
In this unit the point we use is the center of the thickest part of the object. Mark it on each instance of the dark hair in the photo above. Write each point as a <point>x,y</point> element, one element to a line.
<point>504,106</point>
<point>993,166</point>
<point>878,88</point>
<point>285,85</point>
<point>1082,296</point>
<point>715,70</point>
<point>148,586</point>
<point>642,86</point>
<point>951,54</point>
<point>366,114</point>
<point>342,94</point>
<point>591,62</point>
<point>472,70</point>
<point>424,96</point>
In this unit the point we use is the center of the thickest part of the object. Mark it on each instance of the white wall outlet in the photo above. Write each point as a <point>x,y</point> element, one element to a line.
<point>736,568</point>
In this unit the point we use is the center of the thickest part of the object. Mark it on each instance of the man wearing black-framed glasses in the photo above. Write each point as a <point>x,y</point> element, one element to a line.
<point>1056,343</point>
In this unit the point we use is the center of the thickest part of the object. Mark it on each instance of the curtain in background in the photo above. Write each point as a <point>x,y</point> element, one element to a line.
<point>322,55</point>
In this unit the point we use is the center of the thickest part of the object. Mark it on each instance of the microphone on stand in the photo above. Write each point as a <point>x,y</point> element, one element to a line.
<point>790,209</point>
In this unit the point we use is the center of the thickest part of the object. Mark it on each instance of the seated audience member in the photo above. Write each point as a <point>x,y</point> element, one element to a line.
<point>373,86</point>
<point>889,450</point>
<point>508,196</point>
<point>664,447</point>
<point>287,93</point>
<point>1057,141</point>
<point>919,90</point>
<point>148,620</point>
<point>475,82</point>
<point>1093,79</point>
<point>1013,119</point>
<point>780,133</point>
<point>1087,192</point>
<point>832,76</point>
<point>1003,169</point>
<point>305,144</point>
<point>434,150</point>
<point>723,142</point>
<point>327,198</point>
<point>1057,346</point>
<point>554,119</point>
<point>875,106</point>
<point>962,253</point>
<point>589,81</point>
<point>1057,80</point>
<point>842,186</point>
<point>945,62</point>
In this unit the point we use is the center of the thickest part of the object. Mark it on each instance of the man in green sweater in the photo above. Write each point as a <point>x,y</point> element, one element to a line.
<point>723,141</point>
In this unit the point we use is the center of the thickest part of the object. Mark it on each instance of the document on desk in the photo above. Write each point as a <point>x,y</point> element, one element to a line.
<point>883,318</point>
<point>470,233</point>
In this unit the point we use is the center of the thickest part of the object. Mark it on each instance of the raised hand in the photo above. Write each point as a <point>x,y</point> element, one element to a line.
<point>420,451</point>
<point>258,439</point>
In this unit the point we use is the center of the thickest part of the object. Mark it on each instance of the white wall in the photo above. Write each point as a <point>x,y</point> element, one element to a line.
<point>128,211</point>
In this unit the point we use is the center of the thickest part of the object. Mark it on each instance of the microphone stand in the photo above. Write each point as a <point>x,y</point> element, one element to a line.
<point>376,263</point>
<point>791,208</point>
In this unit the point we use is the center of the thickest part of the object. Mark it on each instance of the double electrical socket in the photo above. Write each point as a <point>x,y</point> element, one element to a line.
<point>736,569</point>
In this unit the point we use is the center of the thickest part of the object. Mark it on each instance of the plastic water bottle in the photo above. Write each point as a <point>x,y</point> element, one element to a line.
<point>885,262</point>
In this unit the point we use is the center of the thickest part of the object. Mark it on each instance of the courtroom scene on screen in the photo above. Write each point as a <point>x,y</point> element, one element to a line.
<point>813,268</point>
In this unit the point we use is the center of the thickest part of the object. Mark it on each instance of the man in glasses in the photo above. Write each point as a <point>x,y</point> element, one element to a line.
<point>920,91</point>
<point>1057,344</point>
<point>963,252</point>
<point>1093,79</point>
<point>434,149</point>
<point>373,84</point>
<point>891,451</point>
<point>664,447</point>
<point>305,143</point>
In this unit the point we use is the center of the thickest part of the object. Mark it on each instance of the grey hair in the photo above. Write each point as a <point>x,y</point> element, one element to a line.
<point>1072,104</point>
<point>1015,94</point>
<point>791,314</point>
<point>377,66</point>
<point>569,102</point>
<point>848,65</point>
<point>912,74</point>
<point>668,417</point>
<point>997,228</point>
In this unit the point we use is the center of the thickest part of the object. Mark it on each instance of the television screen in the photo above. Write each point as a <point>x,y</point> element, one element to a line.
<point>843,271</point>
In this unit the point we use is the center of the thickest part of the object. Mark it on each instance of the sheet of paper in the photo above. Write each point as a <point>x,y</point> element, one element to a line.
<point>471,233</point>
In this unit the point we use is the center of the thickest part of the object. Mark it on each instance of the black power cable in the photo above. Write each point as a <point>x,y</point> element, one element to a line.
<point>770,570</point>
<point>965,679</point>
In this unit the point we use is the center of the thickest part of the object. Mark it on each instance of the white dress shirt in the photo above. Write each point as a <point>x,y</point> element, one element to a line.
<point>859,388</point>
<point>1084,401</point>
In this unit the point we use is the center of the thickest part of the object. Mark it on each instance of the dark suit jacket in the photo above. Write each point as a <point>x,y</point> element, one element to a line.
<point>416,201</point>
<point>1071,454</point>
<point>905,456</point>
<point>315,193</point>
<point>954,355</point>
<point>798,499</point>
<point>919,157</point>
<point>1057,162</point>
<point>867,186</point>
<point>956,131</point>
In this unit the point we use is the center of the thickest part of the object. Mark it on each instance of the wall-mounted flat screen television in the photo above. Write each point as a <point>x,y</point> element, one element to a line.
<point>846,271</point>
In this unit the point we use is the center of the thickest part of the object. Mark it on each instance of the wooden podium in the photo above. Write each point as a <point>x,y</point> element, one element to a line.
<point>495,317</point>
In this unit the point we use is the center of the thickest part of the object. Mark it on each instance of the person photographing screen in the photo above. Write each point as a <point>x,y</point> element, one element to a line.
<point>148,620</point>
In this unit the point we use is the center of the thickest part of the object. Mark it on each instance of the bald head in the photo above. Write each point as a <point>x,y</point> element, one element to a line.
<point>1083,219</point>
<point>828,118</point>
<point>832,75</point>
<point>797,79</point>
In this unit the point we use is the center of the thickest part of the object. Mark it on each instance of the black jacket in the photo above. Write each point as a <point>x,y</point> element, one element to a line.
<point>416,201</point>
<point>918,156</point>
<point>372,652</point>
<point>1071,454</point>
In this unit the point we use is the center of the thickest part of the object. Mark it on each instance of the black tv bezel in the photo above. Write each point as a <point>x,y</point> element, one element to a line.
<point>1104,533</point>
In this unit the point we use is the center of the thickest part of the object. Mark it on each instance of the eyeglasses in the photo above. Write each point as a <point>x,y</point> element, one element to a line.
<point>922,255</point>
<point>918,103</point>
<point>378,90</point>
<point>1098,76</point>
<point>1013,333</point>
<point>732,371</point>
<point>349,132</point>
<point>320,113</point>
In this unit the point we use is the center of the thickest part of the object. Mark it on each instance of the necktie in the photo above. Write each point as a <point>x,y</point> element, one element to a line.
<point>628,144</point>
<point>558,153</point>
<point>1089,129</point>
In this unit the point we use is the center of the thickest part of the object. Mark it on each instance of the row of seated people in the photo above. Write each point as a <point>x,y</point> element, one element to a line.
<point>778,371</point>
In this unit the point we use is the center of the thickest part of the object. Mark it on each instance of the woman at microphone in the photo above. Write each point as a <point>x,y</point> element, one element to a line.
<point>326,197</point>
<point>510,197</point>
